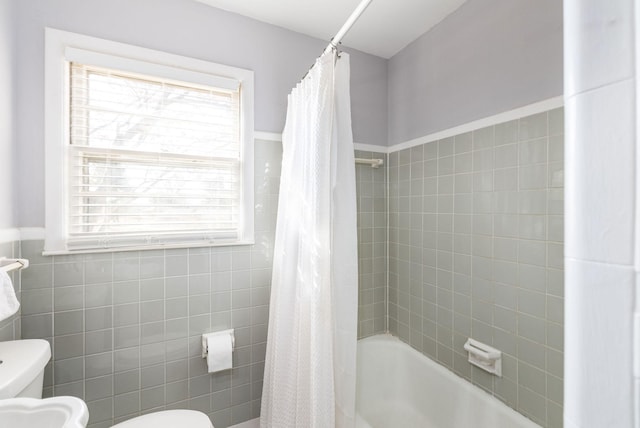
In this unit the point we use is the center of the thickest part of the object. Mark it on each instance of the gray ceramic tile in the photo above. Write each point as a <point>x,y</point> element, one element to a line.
<point>483,160</point>
<point>177,391</point>
<point>151,354</point>
<point>532,151</point>
<point>556,121</point>
<point>68,298</point>
<point>532,404</point>
<point>532,378</point>
<point>532,303</point>
<point>68,370</point>
<point>176,265</point>
<point>126,292</point>
<point>37,326</point>
<point>484,138</point>
<point>96,388</point>
<point>124,315</point>
<point>151,267</point>
<point>37,301</point>
<point>176,308</point>
<point>37,276</point>
<point>98,318</point>
<point>534,126</point>
<point>98,365</point>
<point>199,263</point>
<point>533,176</point>
<point>152,311</point>
<point>68,322</point>
<point>98,271</point>
<point>101,410</point>
<point>98,295</point>
<point>152,376</point>
<point>126,382</point>
<point>68,346</point>
<point>98,341</point>
<point>152,289</point>
<point>126,266</point>
<point>65,274</point>
<point>153,332</point>
<point>126,404</point>
<point>556,148</point>
<point>506,156</point>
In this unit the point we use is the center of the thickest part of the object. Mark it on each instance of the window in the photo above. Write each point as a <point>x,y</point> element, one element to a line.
<point>144,149</point>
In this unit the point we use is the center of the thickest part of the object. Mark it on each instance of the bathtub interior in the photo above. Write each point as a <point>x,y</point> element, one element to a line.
<point>399,387</point>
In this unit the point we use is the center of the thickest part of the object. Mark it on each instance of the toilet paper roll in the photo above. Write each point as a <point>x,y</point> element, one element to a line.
<point>219,351</point>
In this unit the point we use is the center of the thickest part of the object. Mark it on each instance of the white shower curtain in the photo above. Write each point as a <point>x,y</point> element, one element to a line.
<point>309,378</point>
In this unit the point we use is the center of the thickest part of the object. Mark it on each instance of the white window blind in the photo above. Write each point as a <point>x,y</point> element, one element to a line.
<point>151,160</point>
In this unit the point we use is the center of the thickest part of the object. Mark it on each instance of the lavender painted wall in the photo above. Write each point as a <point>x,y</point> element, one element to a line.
<point>6,113</point>
<point>278,57</point>
<point>487,57</point>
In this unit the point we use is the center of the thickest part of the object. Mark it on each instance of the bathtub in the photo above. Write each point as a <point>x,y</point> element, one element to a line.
<point>399,387</point>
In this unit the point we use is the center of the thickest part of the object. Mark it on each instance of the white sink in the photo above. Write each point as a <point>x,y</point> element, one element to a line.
<point>56,412</point>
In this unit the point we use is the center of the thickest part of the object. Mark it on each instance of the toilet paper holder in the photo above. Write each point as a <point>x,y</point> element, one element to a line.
<point>205,349</point>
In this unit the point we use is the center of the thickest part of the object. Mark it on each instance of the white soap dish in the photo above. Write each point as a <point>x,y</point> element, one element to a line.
<point>484,356</point>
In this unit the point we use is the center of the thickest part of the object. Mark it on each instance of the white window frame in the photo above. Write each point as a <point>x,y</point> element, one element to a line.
<point>60,48</point>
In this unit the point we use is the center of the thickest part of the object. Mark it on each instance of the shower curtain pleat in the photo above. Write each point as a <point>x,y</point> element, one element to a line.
<point>309,378</point>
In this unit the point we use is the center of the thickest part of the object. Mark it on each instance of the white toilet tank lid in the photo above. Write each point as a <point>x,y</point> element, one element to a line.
<point>168,419</point>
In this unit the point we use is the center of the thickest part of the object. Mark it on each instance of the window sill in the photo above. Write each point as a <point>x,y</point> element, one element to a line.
<point>170,246</point>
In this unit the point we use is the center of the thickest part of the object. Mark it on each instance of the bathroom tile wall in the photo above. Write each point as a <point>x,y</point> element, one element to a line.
<point>10,327</point>
<point>372,245</point>
<point>125,327</point>
<point>476,250</point>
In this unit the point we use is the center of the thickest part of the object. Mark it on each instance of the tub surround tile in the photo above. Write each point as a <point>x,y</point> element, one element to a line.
<point>490,256</point>
<point>371,191</point>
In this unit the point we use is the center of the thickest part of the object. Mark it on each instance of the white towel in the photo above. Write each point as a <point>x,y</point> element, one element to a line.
<point>9,304</point>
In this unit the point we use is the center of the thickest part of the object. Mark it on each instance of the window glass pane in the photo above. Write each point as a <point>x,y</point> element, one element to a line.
<point>141,194</point>
<point>151,157</point>
<point>112,109</point>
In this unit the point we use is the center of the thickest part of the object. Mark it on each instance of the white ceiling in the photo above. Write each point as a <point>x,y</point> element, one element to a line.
<point>385,28</point>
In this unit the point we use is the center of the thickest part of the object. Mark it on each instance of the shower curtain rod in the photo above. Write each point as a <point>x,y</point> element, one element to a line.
<point>335,40</point>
